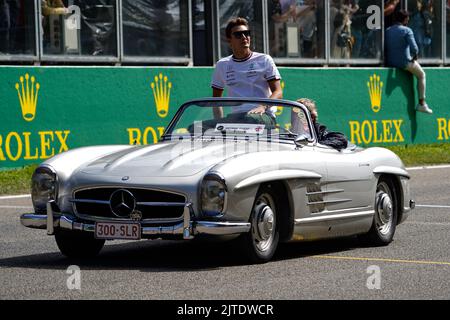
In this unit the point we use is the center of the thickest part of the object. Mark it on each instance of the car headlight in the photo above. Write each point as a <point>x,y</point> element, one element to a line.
<point>44,187</point>
<point>213,195</point>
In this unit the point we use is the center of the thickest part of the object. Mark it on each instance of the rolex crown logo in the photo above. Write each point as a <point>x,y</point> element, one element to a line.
<point>28,96</point>
<point>375,91</point>
<point>161,92</point>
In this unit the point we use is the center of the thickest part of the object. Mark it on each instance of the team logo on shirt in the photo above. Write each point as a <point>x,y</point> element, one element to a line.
<point>375,86</point>
<point>251,71</point>
<point>161,92</point>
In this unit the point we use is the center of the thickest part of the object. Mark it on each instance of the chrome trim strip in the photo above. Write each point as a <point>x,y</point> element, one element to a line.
<point>34,221</point>
<point>277,175</point>
<point>161,204</point>
<point>328,202</point>
<point>187,230</point>
<point>38,221</point>
<point>221,228</point>
<point>66,223</point>
<point>391,170</point>
<point>344,211</point>
<point>324,192</point>
<point>50,219</point>
<point>112,219</point>
<point>89,201</point>
<point>194,227</point>
<point>334,217</point>
<point>147,204</point>
<point>96,218</point>
<point>126,187</point>
<point>161,230</point>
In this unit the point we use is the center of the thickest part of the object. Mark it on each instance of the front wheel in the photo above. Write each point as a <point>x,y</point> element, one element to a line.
<point>386,212</point>
<point>76,244</point>
<point>261,242</point>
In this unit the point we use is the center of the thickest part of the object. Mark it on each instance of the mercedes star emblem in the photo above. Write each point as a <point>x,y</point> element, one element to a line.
<point>122,203</point>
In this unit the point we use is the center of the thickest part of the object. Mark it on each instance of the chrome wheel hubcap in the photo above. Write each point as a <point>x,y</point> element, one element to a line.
<point>263,224</point>
<point>384,209</point>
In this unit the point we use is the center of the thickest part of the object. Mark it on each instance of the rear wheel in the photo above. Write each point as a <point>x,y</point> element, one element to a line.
<point>386,212</point>
<point>261,242</point>
<point>76,244</point>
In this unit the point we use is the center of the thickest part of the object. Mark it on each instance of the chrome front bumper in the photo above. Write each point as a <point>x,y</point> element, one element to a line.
<point>187,229</point>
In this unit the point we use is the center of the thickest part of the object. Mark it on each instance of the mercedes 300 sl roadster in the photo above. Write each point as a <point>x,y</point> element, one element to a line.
<point>236,176</point>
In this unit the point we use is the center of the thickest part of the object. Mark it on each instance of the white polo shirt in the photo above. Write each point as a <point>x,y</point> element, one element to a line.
<point>247,78</point>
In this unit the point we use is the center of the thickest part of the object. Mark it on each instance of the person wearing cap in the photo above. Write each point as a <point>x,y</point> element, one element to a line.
<point>402,52</point>
<point>246,74</point>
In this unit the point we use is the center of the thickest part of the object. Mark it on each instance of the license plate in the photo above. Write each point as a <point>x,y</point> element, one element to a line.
<point>116,230</point>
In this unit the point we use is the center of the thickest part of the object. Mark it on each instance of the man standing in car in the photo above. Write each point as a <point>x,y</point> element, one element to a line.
<point>246,73</point>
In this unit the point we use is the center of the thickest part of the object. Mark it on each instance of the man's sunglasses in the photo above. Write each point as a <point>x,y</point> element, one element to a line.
<point>239,34</point>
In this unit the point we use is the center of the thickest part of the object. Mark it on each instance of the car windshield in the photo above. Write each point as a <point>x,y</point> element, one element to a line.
<point>231,118</point>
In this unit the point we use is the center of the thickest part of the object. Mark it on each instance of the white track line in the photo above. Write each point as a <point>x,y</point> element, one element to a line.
<point>15,197</point>
<point>443,166</point>
<point>432,206</point>
<point>16,207</point>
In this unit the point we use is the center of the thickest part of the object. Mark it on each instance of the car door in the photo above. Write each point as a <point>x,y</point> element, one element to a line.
<point>348,185</point>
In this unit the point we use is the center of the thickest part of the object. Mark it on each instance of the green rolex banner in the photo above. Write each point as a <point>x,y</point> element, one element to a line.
<point>48,110</point>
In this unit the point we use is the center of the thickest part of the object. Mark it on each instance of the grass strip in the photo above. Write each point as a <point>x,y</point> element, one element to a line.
<point>429,154</point>
<point>16,181</point>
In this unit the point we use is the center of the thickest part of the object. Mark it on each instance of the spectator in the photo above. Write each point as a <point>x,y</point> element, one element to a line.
<point>278,18</point>
<point>55,7</point>
<point>301,15</point>
<point>359,29</point>
<point>367,39</point>
<point>390,7</point>
<point>98,17</point>
<point>307,23</point>
<point>246,74</point>
<point>421,22</point>
<point>333,139</point>
<point>341,13</point>
<point>151,27</point>
<point>402,51</point>
<point>9,16</point>
<point>50,8</point>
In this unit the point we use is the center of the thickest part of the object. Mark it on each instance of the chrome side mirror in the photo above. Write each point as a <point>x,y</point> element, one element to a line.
<point>302,140</point>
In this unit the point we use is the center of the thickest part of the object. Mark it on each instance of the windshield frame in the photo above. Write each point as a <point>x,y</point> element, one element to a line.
<point>209,102</point>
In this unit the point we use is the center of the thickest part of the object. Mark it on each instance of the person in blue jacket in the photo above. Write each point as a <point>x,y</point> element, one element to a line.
<point>402,52</point>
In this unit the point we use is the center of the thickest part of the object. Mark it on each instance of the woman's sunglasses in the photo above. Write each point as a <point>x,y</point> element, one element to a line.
<point>239,34</point>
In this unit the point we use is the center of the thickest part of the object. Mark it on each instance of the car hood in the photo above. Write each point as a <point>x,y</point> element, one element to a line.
<point>169,159</point>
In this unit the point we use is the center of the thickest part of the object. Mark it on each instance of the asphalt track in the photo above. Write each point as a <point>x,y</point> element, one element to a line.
<point>416,265</point>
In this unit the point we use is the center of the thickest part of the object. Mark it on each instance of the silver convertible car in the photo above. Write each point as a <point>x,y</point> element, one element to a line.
<point>235,176</point>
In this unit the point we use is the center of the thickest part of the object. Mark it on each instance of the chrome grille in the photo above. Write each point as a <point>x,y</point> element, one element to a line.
<point>153,204</point>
